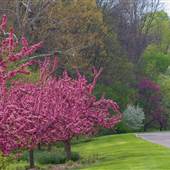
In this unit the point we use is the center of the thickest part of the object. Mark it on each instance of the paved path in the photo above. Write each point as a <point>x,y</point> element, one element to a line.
<point>162,138</point>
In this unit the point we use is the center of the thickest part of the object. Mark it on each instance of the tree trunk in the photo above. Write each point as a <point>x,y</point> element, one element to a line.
<point>39,146</point>
<point>146,125</point>
<point>31,159</point>
<point>67,147</point>
<point>161,127</point>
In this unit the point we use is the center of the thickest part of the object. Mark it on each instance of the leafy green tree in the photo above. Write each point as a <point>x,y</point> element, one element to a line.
<point>121,93</point>
<point>155,61</point>
<point>76,28</point>
<point>160,31</point>
<point>156,57</point>
<point>164,82</point>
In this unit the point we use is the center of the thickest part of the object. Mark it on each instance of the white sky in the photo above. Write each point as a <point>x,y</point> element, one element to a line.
<point>166,5</point>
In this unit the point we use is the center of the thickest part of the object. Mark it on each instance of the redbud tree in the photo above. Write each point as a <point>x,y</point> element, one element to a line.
<point>72,109</point>
<point>151,100</point>
<point>54,109</point>
<point>12,51</point>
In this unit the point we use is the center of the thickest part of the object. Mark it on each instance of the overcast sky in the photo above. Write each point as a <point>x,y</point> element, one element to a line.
<point>166,5</point>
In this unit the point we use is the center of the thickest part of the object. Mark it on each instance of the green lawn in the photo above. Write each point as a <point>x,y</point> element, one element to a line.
<point>124,152</point>
<point>117,152</point>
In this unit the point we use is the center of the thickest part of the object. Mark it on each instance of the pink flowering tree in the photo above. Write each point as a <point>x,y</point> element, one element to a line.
<point>71,109</point>
<point>12,51</point>
<point>54,109</point>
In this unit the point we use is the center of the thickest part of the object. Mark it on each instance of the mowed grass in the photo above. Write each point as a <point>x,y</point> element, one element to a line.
<point>124,152</point>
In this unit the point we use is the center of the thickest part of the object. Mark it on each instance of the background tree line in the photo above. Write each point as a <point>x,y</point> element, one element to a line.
<point>130,39</point>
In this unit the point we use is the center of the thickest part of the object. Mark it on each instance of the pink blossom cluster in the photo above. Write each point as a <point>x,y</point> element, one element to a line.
<point>17,118</point>
<point>9,54</point>
<point>73,110</point>
<point>56,109</point>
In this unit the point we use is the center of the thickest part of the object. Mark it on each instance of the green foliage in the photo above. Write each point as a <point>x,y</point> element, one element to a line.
<point>117,70</point>
<point>155,61</point>
<point>104,131</point>
<point>4,161</point>
<point>79,32</point>
<point>51,157</point>
<point>122,128</point>
<point>23,165</point>
<point>156,57</point>
<point>160,31</point>
<point>164,82</point>
<point>119,92</point>
<point>32,77</point>
<point>75,156</point>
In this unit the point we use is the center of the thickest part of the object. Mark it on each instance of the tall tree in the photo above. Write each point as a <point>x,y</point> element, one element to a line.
<point>151,100</point>
<point>155,61</point>
<point>76,28</point>
<point>25,15</point>
<point>131,19</point>
<point>161,32</point>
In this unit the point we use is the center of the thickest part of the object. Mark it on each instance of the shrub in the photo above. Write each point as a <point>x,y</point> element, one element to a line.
<point>122,128</point>
<point>53,157</point>
<point>121,93</point>
<point>134,117</point>
<point>4,161</point>
<point>103,132</point>
<point>75,156</point>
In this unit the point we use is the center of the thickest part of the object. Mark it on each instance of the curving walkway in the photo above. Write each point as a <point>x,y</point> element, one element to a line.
<point>162,138</point>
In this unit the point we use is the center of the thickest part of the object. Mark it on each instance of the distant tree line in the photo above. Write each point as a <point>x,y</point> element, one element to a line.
<point>130,39</point>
